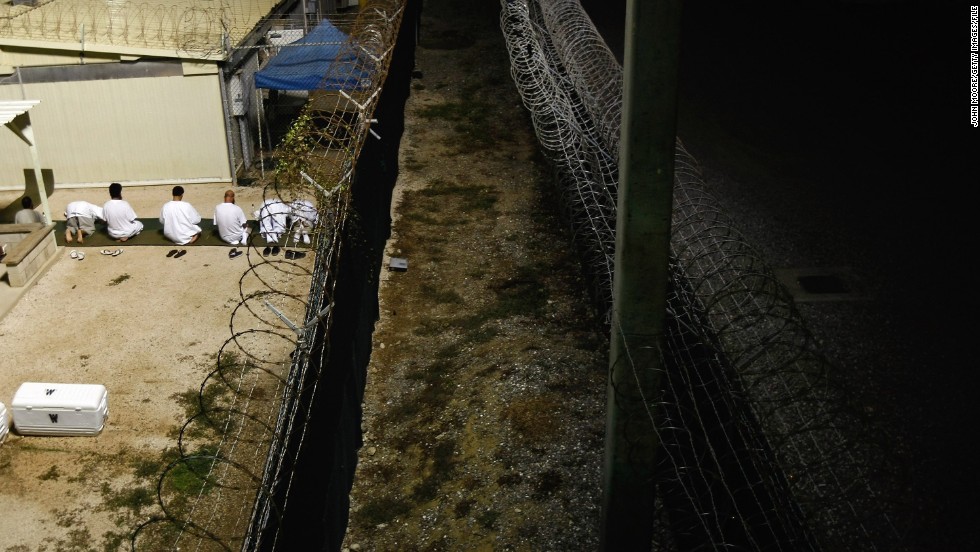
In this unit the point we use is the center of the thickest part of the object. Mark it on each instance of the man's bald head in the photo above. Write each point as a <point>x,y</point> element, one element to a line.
<point>230,196</point>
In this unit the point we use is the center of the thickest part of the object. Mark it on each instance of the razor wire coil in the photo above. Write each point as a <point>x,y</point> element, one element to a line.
<point>254,406</point>
<point>761,448</point>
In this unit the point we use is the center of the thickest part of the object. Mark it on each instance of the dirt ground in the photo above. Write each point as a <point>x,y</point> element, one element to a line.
<point>485,399</point>
<point>146,326</point>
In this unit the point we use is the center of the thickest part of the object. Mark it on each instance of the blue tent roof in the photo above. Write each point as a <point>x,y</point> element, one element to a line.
<point>318,61</point>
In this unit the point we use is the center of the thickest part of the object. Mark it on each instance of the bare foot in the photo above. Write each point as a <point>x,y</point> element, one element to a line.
<point>81,239</point>
<point>194,239</point>
<point>122,239</point>
<point>67,236</point>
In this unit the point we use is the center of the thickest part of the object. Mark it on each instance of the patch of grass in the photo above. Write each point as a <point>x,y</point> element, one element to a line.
<point>383,472</point>
<point>521,294</point>
<point>531,417</point>
<point>463,507</point>
<point>448,354</point>
<point>384,509</point>
<point>439,295</point>
<point>191,476</point>
<point>412,163</point>
<point>483,334</point>
<point>114,541</point>
<point>442,467</point>
<point>432,398</point>
<point>509,479</point>
<point>415,375</point>
<point>147,468</point>
<point>547,484</point>
<point>467,199</point>
<point>51,475</point>
<point>66,518</point>
<point>428,328</point>
<point>79,540</point>
<point>422,217</point>
<point>205,406</point>
<point>473,118</point>
<point>470,483</point>
<point>118,280</point>
<point>131,498</point>
<point>488,519</point>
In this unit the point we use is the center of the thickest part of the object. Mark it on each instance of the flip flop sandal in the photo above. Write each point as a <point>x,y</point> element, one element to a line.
<point>73,254</point>
<point>289,255</point>
<point>234,253</point>
<point>81,255</point>
<point>106,252</point>
<point>172,253</point>
<point>116,253</point>
<point>275,250</point>
<point>180,253</point>
<point>266,251</point>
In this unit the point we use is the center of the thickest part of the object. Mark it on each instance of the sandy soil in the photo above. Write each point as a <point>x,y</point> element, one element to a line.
<point>146,326</point>
<point>484,407</point>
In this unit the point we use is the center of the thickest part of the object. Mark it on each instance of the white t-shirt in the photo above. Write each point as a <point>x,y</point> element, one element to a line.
<point>28,216</point>
<point>180,221</point>
<point>83,209</point>
<point>229,218</point>
<point>120,219</point>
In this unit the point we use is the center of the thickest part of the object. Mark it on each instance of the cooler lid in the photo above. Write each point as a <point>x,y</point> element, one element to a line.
<point>59,395</point>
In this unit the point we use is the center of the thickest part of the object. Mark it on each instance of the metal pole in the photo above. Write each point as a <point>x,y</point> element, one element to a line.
<point>229,136</point>
<point>259,115</point>
<point>646,165</point>
<point>41,190</point>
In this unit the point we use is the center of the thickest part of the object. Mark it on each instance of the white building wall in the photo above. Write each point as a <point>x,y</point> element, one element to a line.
<point>132,130</point>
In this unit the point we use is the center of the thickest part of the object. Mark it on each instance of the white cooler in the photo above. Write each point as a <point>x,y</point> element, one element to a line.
<point>59,408</point>
<point>4,422</point>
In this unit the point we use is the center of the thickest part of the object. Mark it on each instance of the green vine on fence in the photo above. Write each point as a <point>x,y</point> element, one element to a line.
<point>295,147</point>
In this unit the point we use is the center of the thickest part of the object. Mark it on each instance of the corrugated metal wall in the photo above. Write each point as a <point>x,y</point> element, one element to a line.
<point>138,130</point>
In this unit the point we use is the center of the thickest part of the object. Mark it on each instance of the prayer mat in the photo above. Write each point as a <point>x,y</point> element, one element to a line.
<point>152,234</point>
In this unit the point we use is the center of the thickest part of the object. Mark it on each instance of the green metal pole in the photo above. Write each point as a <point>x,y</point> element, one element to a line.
<point>646,173</point>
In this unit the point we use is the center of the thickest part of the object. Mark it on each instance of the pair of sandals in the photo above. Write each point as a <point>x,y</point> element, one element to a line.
<point>76,255</point>
<point>234,253</point>
<point>115,253</point>
<point>176,254</point>
<point>290,255</point>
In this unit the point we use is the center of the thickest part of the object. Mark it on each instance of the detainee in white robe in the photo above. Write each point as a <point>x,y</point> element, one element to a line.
<point>231,223</point>
<point>180,221</point>
<point>303,218</point>
<point>272,219</point>
<point>121,220</point>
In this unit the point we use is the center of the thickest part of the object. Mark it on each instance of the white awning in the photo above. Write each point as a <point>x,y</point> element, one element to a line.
<point>13,108</point>
<point>13,114</point>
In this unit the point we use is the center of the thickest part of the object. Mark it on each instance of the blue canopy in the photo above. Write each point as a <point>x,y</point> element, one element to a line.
<point>320,60</point>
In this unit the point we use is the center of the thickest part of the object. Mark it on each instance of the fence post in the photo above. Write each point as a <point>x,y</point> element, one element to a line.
<point>646,172</point>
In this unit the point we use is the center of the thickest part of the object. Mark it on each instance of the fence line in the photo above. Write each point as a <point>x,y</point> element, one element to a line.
<point>232,478</point>
<point>761,448</point>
